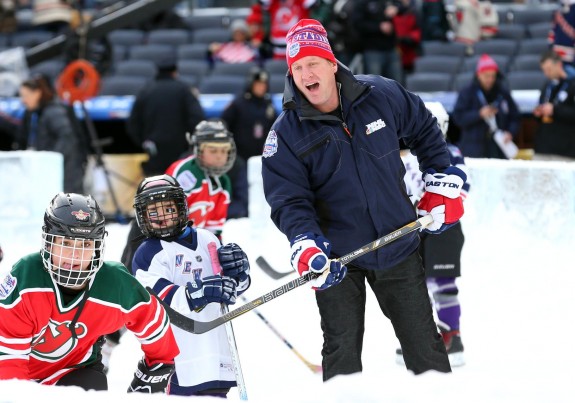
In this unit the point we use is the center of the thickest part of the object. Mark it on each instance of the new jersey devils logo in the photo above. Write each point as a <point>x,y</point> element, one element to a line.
<point>56,340</point>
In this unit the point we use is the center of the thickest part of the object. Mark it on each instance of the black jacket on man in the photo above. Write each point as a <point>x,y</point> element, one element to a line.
<point>164,110</point>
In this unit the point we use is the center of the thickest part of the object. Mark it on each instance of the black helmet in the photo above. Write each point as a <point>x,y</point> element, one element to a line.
<point>73,234</point>
<point>161,191</point>
<point>257,74</point>
<point>213,133</point>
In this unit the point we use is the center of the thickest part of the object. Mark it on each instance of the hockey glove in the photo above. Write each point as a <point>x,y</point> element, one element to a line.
<point>309,253</point>
<point>235,264</point>
<point>442,198</point>
<point>201,292</point>
<point>151,379</point>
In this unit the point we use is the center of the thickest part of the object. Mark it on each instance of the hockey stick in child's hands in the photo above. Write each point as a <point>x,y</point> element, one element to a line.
<point>313,367</point>
<point>194,326</point>
<point>217,268</point>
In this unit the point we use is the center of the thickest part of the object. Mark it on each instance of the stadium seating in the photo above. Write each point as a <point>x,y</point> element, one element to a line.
<point>429,82</point>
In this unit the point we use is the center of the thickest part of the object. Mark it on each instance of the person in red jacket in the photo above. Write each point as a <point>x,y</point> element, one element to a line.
<point>57,304</point>
<point>408,34</point>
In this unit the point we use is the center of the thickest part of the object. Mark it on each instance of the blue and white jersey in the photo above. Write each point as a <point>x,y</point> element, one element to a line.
<point>414,177</point>
<point>167,267</point>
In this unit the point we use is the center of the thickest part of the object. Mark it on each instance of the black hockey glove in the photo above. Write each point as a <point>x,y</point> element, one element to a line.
<point>201,292</point>
<point>152,379</point>
<point>234,262</point>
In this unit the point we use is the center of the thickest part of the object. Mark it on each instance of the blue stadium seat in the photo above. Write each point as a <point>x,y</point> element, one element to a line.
<point>193,51</point>
<point>221,84</point>
<point>127,37</point>
<point>526,80</point>
<point>154,53</point>
<point>235,69</point>
<point>174,37</point>
<point>276,66</point>
<point>136,68</point>
<point>438,48</point>
<point>429,82</point>
<point>121,85</point>
<point>526,62</point>
<point>211,35</point>
<point>29,39</point>
<point>438,64</point>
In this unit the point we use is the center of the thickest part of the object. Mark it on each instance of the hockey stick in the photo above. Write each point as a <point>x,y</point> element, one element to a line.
<point>197,327</point>
<point>212,249</point>
<point>269,270</point>
<point>313,367</point>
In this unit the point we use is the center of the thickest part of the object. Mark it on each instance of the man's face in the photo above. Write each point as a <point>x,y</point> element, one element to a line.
<point>72,254</point>
<point>315,78</point>
<point>215,155</point>
<point>487,79</point>
<point>162,214</point>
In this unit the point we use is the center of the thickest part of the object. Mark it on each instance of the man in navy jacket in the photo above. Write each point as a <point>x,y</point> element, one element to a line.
<point>333,177</point>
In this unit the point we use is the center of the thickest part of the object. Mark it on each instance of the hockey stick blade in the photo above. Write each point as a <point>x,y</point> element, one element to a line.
<point>197,327</point>
<point>269,270</point>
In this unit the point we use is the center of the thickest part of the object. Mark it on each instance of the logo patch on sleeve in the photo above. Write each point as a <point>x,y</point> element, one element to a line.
<point>271,145</point>
<point>7,286</point>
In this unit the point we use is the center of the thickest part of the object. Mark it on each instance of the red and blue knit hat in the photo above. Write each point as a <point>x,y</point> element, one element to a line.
<point>307,38</point>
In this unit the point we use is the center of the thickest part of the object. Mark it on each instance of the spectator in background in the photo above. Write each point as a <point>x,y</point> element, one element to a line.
<point>8,21</point>
<point>373,19</point>
<point>251,115</point>
<point>476,20</point>
<point>346,42</point>
<point>163,112</point>
<point>278,16</point>
<point>434,23</point>
<point>484,108</point>
<point>408,35</point>
<point>563,32</point>
<point>256,26</point>
<point>554,139</point>
<point>239,49</point>
<point>52,15</point>
<point>48,125</point>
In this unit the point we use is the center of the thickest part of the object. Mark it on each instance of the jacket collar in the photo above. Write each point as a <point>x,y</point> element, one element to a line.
<point>349,88</point>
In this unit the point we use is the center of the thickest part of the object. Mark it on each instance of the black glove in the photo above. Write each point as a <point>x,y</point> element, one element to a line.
<point>201,292</point>
<point>152,379</point>
<point>234,262</point>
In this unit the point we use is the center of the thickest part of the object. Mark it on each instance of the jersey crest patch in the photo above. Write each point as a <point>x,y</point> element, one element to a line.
<point>7,286</point>
<point>271,145</point>
<point>187,181</point>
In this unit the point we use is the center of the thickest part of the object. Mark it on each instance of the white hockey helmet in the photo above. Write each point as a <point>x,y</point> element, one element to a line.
<point>438,110</point>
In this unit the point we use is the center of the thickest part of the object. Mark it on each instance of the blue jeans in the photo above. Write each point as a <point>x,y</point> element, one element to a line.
<point>383,63</point>
<point>402,296</point>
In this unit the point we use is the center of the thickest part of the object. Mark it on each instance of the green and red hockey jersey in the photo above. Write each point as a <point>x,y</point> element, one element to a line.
<point>208,197</point>
<point>36,342</point>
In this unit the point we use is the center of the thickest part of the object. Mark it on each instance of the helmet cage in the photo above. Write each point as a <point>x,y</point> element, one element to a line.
<point>213,133</point>
<point>65,258</point>
<point>157,194</point>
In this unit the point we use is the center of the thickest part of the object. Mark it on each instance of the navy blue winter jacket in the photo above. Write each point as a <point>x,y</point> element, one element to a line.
<point>350,189</point>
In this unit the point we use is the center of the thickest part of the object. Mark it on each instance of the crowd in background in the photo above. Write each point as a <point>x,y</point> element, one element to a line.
<point>382,37</point>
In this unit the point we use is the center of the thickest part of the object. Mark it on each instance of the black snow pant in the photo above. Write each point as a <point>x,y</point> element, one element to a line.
<point>402,296</point>
<point>91,377</point>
